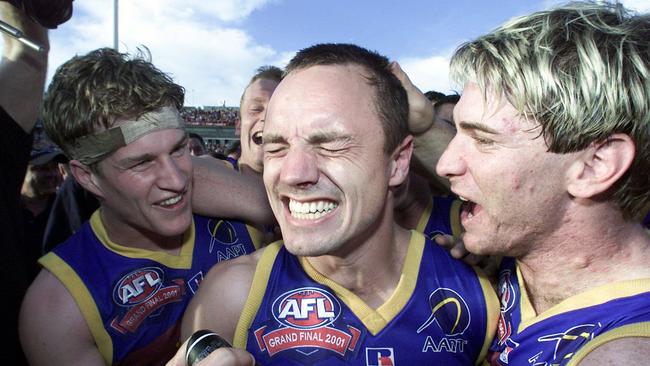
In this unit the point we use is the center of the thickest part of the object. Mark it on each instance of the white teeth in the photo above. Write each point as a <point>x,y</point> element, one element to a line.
<point>310,210</point>
<point>463,198</point>
<point>171,201</point>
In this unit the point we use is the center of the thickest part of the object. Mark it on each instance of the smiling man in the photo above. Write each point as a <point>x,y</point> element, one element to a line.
<point>552,158</point>
<point>348,285</point>
<point>114,293</point>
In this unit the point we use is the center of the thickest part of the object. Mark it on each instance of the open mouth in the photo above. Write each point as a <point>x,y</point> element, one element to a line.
<point>171,201</point>
<point>311,210</point>
<point>468,208</point>
<point>257,138</point>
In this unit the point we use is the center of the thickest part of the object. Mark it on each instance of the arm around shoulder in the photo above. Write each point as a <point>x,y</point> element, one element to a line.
<point>52,329</point>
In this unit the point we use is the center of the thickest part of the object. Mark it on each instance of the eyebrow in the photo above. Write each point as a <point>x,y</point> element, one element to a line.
<point>317,138</point>
<point>477,126</point>
<point>145,157</point>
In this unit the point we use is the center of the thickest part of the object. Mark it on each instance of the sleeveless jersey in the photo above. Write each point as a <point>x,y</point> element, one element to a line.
<point>133,299</point>
<point>441,313</point>
<point>441,216</point>
<point>567,332</point>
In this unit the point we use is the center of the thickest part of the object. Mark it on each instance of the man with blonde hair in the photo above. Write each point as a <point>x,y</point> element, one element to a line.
<point>552,156</point>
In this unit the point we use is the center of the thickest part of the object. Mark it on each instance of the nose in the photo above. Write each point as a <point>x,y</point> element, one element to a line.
<point>451,163</point>
<point>299,168</point>
<point>171,174</point>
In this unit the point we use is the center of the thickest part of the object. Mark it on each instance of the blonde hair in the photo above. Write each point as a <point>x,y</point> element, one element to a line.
<point>582,72</point>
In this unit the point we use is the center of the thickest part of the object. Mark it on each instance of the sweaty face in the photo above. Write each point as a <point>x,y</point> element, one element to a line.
<point>325,170</point>
<point>145,187</point>
<point>499,163</point>
<point>253,110</point>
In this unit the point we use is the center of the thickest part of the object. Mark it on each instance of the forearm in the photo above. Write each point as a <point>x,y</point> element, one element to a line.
<point>223,192</point>
<point>23,69</point>
<point>429,147</point>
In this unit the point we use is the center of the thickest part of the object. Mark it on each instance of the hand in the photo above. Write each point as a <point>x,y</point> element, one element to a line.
<point>420,108</point>
<point>225,356</point>
<point>457,249</point>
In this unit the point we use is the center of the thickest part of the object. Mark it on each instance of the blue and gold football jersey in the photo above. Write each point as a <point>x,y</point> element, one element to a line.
<point>442,313</point>
<point>567,332</point>
<point>133,299</point>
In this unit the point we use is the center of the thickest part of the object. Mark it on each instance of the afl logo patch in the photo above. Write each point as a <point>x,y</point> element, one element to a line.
<point>306,308</point>
<point>138,286</point>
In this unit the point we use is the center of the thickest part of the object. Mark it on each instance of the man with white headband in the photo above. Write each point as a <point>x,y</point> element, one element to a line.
<point>114,293</point>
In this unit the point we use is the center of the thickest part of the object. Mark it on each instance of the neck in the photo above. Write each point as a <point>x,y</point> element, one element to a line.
<point>128,236</point>
<point>372,269</point>
<point>36,204</point>
<point>589,255</point>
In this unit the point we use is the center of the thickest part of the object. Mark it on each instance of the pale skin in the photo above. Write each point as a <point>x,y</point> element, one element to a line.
<point>145,173</point>
<point>495,159</point>
<point>308,157</point>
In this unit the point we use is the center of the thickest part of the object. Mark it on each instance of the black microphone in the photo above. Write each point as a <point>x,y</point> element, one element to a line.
<point>201,344</point>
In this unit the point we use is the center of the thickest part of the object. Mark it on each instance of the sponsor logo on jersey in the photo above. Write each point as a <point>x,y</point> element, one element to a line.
<point>223,235</point>
<point>305,318</point>
<point>140,293</point>
<point>449,311</point>
<point>450,314</point>
<point>379,357</point>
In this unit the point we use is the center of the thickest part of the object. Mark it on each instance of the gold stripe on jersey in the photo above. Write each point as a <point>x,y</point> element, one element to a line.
<point>424,219</point>
<point>492,306</point>
<point>376,320</point>
<point>631,330</point>
<point>181,261</point>
<point>256,293</point>
<point>61,270</point>
<point>594,296</point>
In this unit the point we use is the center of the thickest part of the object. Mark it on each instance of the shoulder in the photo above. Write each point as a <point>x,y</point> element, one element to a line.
<point>48,312</point>
<point>221,296</point>
<point>622,351</point>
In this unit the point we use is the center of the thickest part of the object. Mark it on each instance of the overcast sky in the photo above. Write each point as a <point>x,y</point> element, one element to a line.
<point>212,47</point>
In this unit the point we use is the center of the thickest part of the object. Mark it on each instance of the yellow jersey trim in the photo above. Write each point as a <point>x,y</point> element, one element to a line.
<point>256,293</point>
<point>630,330</point>
<point>376,320</point>
<point>422,224</point>
<point>181,261</point>
<point>595,296</point>
<point>492,306</point>
<point>59,268</point>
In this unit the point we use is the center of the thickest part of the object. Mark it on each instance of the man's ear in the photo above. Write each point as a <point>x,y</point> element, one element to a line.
<point>400,162</point>
<point>601,165</point>
<point>86,177</point>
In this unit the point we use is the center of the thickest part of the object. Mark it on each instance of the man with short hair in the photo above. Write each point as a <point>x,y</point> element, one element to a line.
<point>114,293</point>
<point>252,110</point>
<point>348,285</point>
<point>552,157</point>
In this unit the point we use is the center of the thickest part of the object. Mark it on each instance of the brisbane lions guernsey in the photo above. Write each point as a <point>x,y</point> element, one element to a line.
<point>133,299</point>
<point>567,332</point>
<point>441,216</point>
<point>441,313</point>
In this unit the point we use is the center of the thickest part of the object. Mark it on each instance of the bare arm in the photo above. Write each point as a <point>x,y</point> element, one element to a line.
<point>52,328</point>
<point>623,351</point>
<point>220,191</point>
<point>221,298</point>
<point>23,70</point>
<point>430,138</point>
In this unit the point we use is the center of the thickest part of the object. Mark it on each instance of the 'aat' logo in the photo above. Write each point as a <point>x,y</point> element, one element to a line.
<point>449,310</point>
